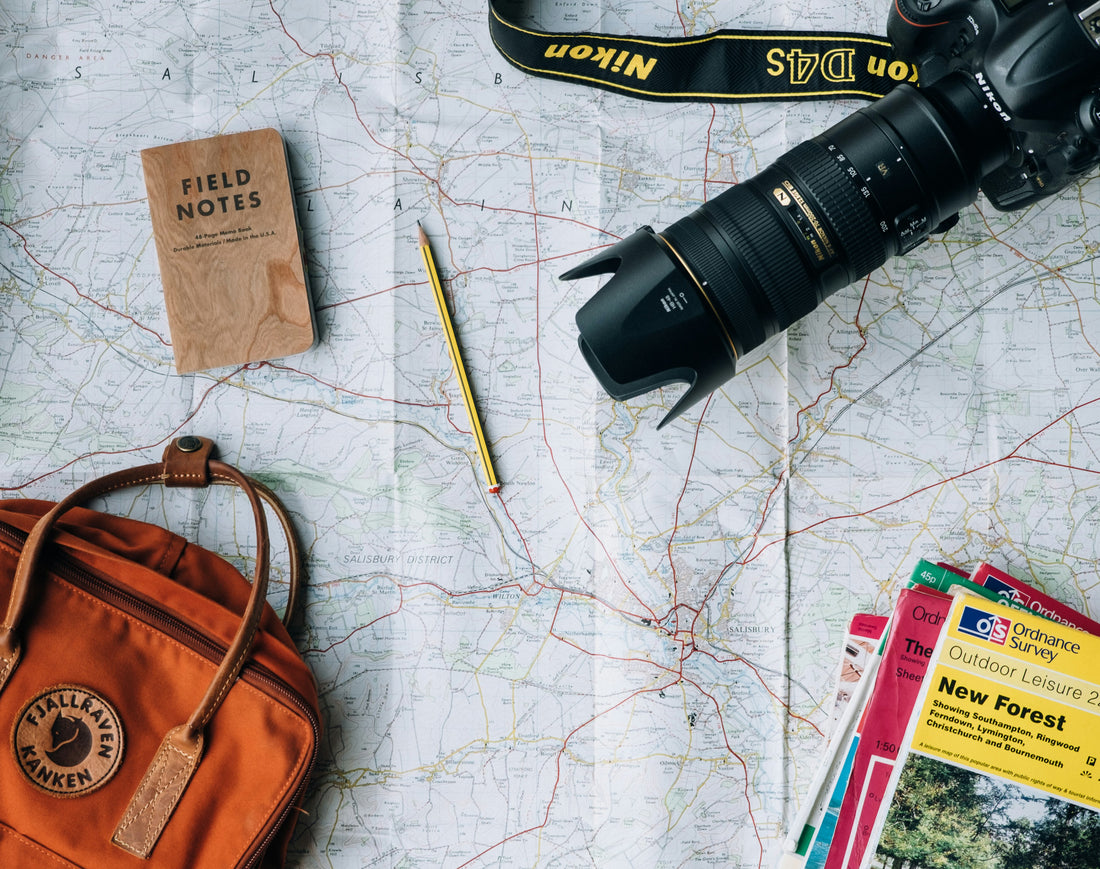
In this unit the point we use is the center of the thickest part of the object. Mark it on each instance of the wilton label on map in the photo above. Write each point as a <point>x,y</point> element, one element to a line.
<point>228,249</point>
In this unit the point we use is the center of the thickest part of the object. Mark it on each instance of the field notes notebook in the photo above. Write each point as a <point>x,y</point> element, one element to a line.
<point>228,247</point>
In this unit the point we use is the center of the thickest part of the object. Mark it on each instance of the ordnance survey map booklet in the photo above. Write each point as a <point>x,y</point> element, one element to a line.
<point>862,648</point>
<point>1009,587</point>
<point>865,632</point>
<point>918,617</point>
<point>1000,757</point>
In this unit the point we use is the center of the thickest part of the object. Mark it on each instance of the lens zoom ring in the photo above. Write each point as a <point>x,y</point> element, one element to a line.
<point>843,208</point>
<point>768,252</point>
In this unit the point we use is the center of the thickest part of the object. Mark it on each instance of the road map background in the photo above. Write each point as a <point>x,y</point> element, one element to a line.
<point>627,658</point>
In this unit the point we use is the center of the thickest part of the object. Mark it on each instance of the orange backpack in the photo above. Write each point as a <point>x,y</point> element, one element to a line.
<point>154,710</point>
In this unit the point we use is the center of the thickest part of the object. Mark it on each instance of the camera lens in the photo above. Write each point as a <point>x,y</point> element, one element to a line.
<point>685,304</point>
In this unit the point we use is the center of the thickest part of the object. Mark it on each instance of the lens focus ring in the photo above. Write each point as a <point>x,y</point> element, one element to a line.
<point>843,209</point>
<point>748,263</point>
<point>769,250</point>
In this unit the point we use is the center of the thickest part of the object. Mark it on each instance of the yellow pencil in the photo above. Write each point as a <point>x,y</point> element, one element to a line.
<point>456,359</point>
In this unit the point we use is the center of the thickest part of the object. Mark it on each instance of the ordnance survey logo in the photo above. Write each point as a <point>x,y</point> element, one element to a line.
<point>68,741</point>
<point>1005,590</point>
<point>985,626</point>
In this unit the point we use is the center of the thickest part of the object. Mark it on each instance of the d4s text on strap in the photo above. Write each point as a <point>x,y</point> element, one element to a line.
<point>722,66</point>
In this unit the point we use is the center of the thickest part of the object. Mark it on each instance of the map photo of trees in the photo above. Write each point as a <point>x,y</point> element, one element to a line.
<point>946,817</point>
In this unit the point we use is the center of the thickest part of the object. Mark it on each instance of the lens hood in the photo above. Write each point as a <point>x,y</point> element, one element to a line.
<point>651,324</point>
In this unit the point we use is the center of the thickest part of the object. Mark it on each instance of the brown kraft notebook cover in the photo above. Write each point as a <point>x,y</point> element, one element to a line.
<point>229,252</point>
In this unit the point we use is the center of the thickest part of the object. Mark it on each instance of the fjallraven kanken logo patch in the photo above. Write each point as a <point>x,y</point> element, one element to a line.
<point>68,741</point>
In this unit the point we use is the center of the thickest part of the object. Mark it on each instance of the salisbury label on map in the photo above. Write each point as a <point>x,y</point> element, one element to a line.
<point>227,245</point>
<point>1015,696</point>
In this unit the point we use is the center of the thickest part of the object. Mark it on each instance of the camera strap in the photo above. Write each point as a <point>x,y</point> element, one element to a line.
<point>721,66</point>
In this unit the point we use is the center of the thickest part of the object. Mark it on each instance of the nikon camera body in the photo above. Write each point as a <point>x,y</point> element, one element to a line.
<point>1008,103</point>
<point>1036,64</point>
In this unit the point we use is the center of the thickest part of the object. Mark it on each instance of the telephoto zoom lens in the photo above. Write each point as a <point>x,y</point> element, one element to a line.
<point>684,304</point>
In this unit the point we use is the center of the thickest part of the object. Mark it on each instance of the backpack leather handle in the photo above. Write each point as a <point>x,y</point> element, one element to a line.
<point>183,465</point>
<point>187,462</point>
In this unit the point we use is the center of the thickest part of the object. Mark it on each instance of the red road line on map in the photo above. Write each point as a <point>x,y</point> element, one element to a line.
<point>763,684</point>
<point>254,366</point>
<point>76,289</point>
<point>462,273</point>
<point>707,148</point>
<point>522,538</point>
<point>542,419</point>
<point>368,625</point>
<point>679,502</point>
<point>128,450</point>
<point>837,368</point>
<point>1053,271</point>
<point>558,771</point>
<point>1010,456</point>
<point>603,656</point>
<point>414,167</point>
<point>806,409</point>
<point>68,206</point>
<point>366,296</point>
<point>534,214</point>
<point>698,611</point>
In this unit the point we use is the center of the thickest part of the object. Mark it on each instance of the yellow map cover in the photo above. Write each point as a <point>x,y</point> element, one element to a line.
<point>1001,752</point>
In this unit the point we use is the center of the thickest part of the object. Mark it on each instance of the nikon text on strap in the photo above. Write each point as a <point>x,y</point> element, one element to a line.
<point>723,66</point>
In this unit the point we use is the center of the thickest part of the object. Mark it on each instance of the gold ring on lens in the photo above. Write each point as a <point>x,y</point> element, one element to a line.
<point>702,292</point>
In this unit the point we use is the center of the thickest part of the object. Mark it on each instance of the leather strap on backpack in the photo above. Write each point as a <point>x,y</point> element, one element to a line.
<point>187,462</point>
